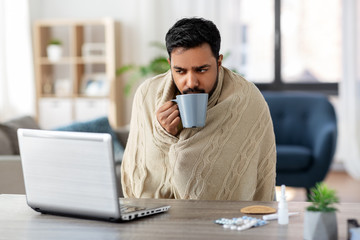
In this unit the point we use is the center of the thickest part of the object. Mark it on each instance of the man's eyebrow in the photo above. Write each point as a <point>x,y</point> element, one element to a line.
<point>177,67</point>
<point>202,66</point>
<point>196,67</point>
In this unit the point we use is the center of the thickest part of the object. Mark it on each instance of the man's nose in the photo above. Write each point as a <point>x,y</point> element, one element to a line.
<point>192,81</point>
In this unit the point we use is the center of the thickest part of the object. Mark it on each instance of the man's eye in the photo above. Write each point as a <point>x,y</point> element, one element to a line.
<point>179,71</point>
<point>203,70</point>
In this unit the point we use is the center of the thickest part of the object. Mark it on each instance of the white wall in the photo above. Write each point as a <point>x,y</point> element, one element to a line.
<point>142,21</point>
<point>137,28</point>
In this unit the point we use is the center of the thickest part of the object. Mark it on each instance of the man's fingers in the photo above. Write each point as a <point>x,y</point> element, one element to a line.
<point>175,122</point>
<point>172,116</point>
<point>170,110</point>
<point>168,117</point>
<point>165,113</point>
<point>166,106</point>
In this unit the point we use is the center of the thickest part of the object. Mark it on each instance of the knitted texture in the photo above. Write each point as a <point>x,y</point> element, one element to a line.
<point>232,158</point>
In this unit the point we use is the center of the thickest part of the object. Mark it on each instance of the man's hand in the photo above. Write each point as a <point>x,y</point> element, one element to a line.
<point>168,117</point>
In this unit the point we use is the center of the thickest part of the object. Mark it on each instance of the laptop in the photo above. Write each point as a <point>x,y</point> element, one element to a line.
<point>73,174</point>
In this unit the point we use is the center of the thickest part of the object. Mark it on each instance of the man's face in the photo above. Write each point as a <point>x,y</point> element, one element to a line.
<point>194,70</point>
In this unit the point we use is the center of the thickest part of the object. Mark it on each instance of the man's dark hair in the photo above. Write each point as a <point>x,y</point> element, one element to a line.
<point>192,32</point>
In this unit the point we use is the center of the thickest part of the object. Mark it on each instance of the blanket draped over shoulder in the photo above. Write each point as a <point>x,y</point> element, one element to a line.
<point>232,158</point>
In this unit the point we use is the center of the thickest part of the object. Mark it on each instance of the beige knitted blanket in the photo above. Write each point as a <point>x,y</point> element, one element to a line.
<point>232,158</point>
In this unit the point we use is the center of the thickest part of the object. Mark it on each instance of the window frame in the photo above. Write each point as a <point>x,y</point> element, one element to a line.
<point>278,84</point>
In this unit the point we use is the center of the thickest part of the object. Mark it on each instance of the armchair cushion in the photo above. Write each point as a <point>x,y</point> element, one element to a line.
<point>300,158</point>
<point>98,125</point>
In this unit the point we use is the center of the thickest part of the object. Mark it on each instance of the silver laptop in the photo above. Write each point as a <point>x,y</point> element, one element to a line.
<point>73,174</point>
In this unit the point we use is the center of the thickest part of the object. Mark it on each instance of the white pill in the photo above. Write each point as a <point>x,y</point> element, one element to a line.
<point>239,221</point>
<point>240,228</point>
<point>226,226</point>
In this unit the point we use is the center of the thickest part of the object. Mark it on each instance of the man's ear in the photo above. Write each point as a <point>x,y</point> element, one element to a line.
<point>220,60</point>
<point>169,61</point>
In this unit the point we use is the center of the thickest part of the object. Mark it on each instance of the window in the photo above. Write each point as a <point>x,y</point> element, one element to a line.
<point>292,44</point>
<point>256,52</point>
<point>311,41</point>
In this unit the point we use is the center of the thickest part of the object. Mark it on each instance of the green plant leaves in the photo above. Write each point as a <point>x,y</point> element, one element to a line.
<point>156,66</point>
<point>124,69</point>
<point>159,65</point>
<point>54,42</point>
<point>322,198</point>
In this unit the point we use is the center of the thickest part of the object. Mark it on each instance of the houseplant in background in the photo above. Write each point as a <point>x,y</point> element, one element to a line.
<point>320,217</point>
<point>54,50</point>
<point>156,66</point>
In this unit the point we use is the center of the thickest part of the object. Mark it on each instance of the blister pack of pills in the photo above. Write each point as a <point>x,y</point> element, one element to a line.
<point>241,223</point>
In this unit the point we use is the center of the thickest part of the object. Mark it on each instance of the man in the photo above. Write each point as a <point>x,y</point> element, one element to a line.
<point>232,158</point>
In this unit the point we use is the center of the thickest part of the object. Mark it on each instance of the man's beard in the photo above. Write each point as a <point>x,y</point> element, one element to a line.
<point>199,90</point>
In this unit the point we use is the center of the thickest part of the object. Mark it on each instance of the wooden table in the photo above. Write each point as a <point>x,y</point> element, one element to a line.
<point>187,219</point>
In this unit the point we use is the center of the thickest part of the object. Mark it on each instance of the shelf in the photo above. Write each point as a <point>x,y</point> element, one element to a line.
<point>88,60</point>
<point>73,60</point>
<point>56,96</point>
<point>73,22</point>
<point>83,76</point>
<point>91,97</point>
<point>64,60</point>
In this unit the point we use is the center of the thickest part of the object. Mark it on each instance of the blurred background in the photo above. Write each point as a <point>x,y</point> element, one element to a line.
<point>280,45</point>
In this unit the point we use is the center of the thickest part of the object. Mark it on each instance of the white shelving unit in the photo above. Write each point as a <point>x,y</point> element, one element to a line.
<point>82,84</point>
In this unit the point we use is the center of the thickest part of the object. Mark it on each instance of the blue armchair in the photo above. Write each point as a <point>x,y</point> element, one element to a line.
<point>306,132</point>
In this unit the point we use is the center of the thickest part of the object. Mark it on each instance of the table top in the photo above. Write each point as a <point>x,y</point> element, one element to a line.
<point>187,219</point>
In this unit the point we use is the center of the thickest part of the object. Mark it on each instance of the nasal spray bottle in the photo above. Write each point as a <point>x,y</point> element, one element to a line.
<point>283,212</point>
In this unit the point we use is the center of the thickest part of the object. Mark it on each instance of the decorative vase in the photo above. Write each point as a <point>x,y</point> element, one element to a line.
<point>54,52</point>
<point>320,226</point>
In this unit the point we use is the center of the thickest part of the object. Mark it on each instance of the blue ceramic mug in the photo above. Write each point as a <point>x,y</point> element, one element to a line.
<point>192,109</point>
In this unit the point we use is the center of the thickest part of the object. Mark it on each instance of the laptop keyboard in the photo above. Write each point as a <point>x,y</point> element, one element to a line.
<point>128,208</point>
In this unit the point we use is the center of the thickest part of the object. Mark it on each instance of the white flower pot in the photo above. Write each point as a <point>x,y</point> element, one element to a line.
<point>54,52</point>
<point>320,226</point>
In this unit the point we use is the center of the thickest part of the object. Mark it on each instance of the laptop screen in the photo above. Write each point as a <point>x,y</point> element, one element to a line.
<point>69,172</point>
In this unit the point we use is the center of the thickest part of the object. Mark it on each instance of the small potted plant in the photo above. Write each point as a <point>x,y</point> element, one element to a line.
<point>54,50</point>
<point>320,217</point>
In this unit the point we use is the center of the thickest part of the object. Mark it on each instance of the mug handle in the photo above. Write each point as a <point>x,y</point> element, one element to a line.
<point>174,100</point>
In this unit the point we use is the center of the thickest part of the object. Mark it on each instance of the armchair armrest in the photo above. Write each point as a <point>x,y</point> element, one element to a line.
<point>325,142</point>
<point>324,148</point>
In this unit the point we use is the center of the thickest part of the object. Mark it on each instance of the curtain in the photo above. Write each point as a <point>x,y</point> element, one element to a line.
<point>3,92</point>
<point>17,94</point>
<point>349,89</point>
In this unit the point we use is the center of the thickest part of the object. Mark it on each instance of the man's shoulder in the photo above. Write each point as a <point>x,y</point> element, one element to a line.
<point>151,85</point>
